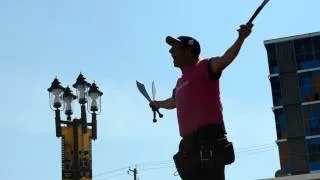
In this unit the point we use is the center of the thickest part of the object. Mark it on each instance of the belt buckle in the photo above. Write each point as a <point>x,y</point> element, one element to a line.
<point>206,153</point>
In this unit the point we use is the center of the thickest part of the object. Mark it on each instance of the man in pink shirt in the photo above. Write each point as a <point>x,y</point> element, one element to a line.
<point>203,149</point>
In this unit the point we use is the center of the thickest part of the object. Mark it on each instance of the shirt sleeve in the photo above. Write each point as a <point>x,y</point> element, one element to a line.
<point>213,75</point>
<point>174,93</point>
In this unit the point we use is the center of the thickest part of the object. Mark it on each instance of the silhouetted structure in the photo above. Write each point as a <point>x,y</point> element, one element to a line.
<point>76,149</point>
<point>294,66</point>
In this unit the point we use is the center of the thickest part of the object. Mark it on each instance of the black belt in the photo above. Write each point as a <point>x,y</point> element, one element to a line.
<point>212,134</point>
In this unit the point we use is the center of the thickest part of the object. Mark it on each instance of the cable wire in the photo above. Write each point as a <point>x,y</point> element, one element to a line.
<point>148,166</point>
<point>111,177</point>
<point>110,172</point>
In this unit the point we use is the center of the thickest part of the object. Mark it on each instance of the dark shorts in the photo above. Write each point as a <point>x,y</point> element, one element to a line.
<point>215,173</point>
<point>189,161</point>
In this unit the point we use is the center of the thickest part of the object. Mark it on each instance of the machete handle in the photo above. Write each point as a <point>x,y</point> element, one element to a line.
<point>156,110</point>
<point>160,115</point>
<point>154,116</point>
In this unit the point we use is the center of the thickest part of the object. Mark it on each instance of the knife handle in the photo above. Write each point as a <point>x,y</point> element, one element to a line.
<point>160,115</point>
<point>154,116</point>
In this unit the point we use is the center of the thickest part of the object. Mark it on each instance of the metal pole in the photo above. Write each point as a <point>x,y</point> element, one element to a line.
<point>94,126</point>
<point>84,118</point>
<point>135,172</point>
<point>76,172</point>
<point>57,121</point>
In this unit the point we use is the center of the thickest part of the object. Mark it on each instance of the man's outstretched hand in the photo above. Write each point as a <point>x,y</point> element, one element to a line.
<point>245,31</point>
<point>154,105</point>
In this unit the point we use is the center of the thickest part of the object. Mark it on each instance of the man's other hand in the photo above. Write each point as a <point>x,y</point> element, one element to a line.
<point>245,30</point>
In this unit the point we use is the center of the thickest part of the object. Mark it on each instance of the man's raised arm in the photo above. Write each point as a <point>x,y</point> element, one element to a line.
<point>219,63</point>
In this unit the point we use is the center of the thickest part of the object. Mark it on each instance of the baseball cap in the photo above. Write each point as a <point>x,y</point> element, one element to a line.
<point>185,41</point>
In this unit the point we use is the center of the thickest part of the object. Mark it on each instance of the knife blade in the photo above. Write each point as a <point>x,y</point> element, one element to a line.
<point>143,90</point>
<point>153,91</point>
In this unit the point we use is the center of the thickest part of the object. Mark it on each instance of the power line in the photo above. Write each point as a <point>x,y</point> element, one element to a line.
<point>245,150</point>
<point>113,176</point>
<point>256,146</point>
<point>156,168</point>
<point>257,152</point>
<point>154,163</point>
<point>241,152</point>
<point>255,149</point>
<point>157,164</point>
<point>109,172</point>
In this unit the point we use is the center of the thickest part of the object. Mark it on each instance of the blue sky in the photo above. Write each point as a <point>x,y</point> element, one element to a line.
<point>116,42</point>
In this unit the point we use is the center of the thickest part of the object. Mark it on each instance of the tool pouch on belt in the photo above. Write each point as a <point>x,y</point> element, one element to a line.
<point>218,153</point>
<point>197,153</point>
<point>214,145</point>
<point>228,152</point>
<point>187,158</point>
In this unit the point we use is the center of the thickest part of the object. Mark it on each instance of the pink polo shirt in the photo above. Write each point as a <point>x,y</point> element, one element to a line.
<point>197,98</point>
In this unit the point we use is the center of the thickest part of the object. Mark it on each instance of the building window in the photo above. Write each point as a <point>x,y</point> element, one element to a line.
<point>309,56</point>
<point>313,152</point>
<point>276,91</point>
<point>278,128</point>
<point>316,43</point>
<point>301,58</point>
<point>298,47</point>
<point>317,56</point>
<point>273,64</point>
<point>311,118</point>
<point>280,124</point>
<point>309,86</point>
<point>307,45</point>
<point>305,52</point>
<point>271,50</point>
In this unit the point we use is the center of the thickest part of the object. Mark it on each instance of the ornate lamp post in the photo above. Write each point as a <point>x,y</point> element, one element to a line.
<point>82,87</point>
<point>95,104</point>
<point>55,92</point>
<point>76,134</point>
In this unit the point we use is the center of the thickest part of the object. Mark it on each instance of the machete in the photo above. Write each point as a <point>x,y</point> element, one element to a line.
<point>144,92</point>
<point>257,11</point>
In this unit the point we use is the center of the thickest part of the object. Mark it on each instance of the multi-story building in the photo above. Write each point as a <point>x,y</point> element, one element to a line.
<point>294,66</point>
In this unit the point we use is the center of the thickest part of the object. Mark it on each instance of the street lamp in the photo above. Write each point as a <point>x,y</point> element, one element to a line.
<point>55,100</point>
<point>95,106</point>
<point>82,87</point>
<point>76,140</point>
<point>68,97</point>
<point>55,90</point>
